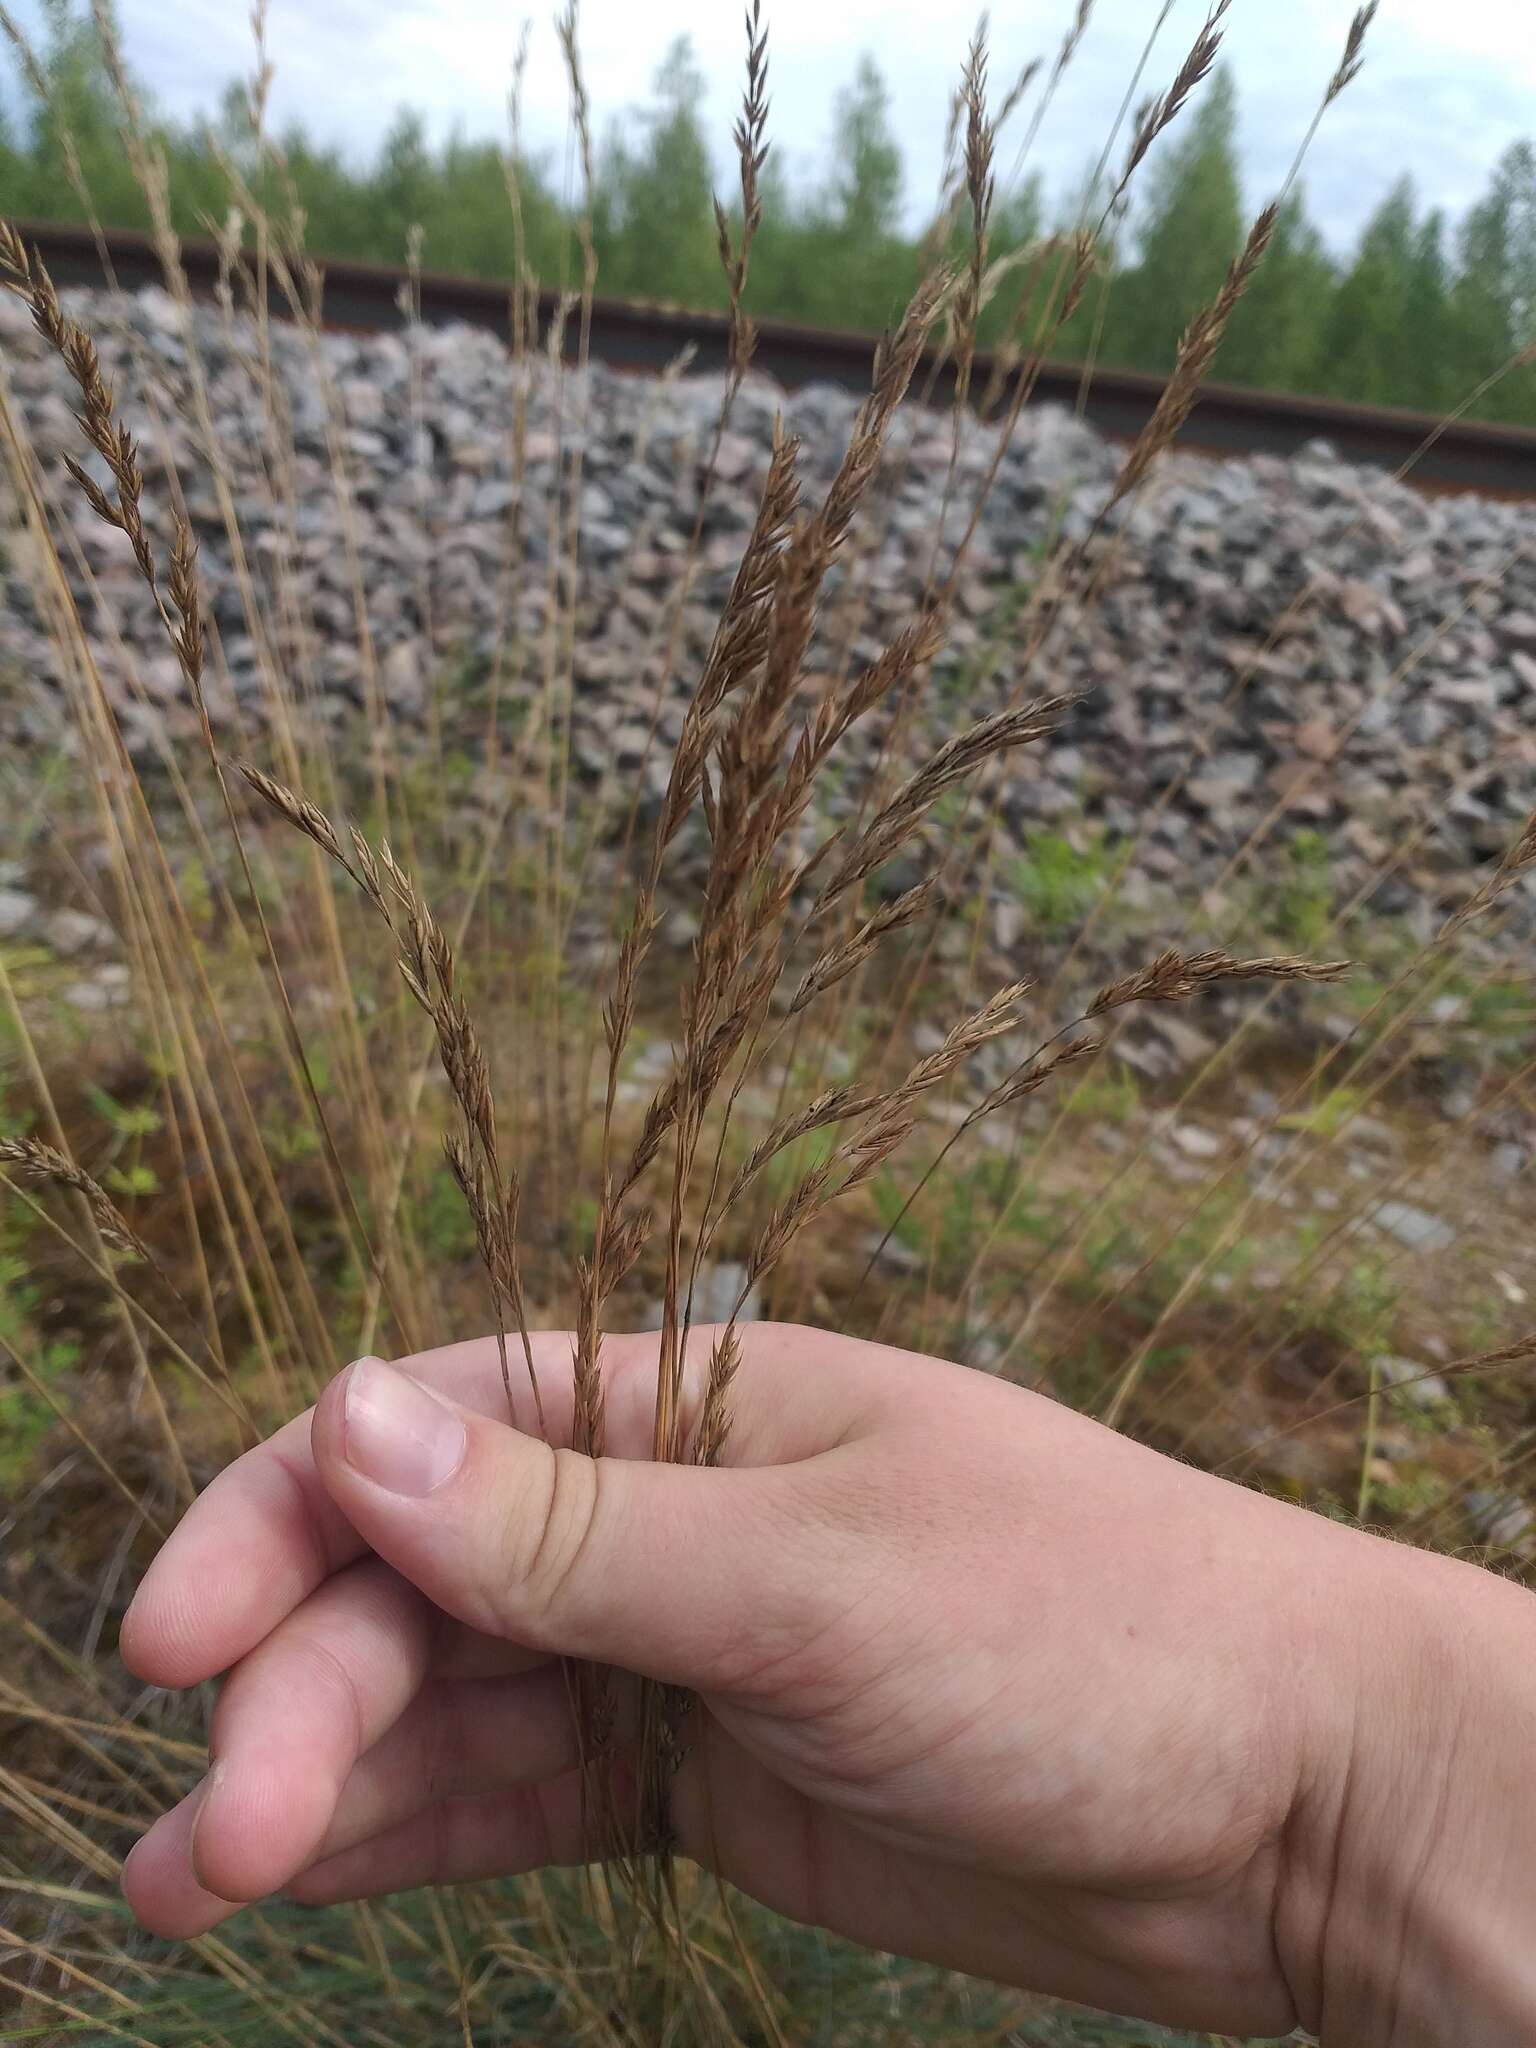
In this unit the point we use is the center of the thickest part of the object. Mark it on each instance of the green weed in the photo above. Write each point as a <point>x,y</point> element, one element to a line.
<point>1326,1117</point>
<point>1057,881</point>
<point>1298,904</point>
<point>1109,1092</point>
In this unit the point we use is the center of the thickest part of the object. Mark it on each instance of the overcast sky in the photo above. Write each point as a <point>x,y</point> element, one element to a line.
<point>1445,88</point>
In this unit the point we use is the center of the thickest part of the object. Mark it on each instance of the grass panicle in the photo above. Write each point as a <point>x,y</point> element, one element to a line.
<point>1174,976</point>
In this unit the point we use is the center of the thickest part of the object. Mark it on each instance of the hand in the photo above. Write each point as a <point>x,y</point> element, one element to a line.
<point>981,1681</point>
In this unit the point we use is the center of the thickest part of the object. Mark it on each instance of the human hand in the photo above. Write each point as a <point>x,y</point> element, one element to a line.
<point>981,1681</point>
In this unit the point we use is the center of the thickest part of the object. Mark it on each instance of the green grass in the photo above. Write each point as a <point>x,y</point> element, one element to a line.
<point>1058,880</point>
<point>1298,903</point>
<point>832,1993</point>
<point>964,1203</point>
<point>1329,1114</point>
<point>1109,1092</point>
<point>1361,1307</point>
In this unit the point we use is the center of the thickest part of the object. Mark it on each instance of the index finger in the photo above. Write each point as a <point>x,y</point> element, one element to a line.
<point>265,1533</point>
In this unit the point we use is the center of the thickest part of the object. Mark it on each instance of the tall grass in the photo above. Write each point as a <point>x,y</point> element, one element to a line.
<point>390,1071</point>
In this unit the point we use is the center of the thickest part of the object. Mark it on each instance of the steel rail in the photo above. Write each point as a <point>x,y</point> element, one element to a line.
<point>1464,455</point>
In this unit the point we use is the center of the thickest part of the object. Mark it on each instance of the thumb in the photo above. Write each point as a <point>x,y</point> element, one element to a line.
<point>680,1573</point>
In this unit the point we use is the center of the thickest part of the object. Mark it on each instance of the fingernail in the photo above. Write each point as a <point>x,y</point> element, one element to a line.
<point>397,1434</point>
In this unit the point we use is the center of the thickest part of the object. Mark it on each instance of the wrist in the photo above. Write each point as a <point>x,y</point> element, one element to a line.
<point>1410,1898</point>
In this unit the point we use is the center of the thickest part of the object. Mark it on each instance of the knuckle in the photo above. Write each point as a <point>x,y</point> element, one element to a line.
<point>325,1672</point>
<point>307,1661</point>
<point>550,1532</point>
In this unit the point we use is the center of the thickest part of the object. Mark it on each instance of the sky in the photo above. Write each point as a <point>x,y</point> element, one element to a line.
<point>1445,88</point>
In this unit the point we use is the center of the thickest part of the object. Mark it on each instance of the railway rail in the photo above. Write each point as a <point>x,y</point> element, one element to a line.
<point>1463,455</point>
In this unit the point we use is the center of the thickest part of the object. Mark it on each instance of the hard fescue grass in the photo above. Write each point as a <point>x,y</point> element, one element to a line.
<point>385,1105</point>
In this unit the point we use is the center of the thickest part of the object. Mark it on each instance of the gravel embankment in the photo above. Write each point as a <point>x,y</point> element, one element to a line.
<point>1399,702</point>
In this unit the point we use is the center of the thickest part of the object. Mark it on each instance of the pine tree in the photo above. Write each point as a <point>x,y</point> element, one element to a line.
<point>1272,341</point>
<point>12,161</point>
<point>1425,366</point>
<point>82,103</point>
<point>469,225</point>
<point>1098,328</point>
<point>1363,339</point>
<point>859,266</point>
<point>1494,297</point>
<point>1484,316</point>
<point>866,173</point>
<point>779,279</point>
<point>1518,170</point>
<point>403,181</point>
<point>655,222</point>
<point>340,213</point>
<point>1518,391</point>
<point>1189,231</point>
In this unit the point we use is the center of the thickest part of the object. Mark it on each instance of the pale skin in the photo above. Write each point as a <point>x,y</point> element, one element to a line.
<point>981,1682</point>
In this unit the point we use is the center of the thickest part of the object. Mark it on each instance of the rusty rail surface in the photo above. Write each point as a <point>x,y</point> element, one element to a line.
<point>1466,455</point>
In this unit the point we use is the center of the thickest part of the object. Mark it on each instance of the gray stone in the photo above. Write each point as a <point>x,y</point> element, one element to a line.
<point>719,1288</point>
<point>491,499</point>
<point>1510,1526</point>
<point>1500,1519</point>
<point>1007,923</point>
<point>18,910</point>
<point>110,985</point>
<point>1188,1045</point>
<point>401,678</point>
<point>893,1255</point>
<point>653,1065</point>
<point>75,931</point>
<point>736,455</point>
<point>1422,1388</point>
<point>1372,1133</point>
<point>1195,1142</point>
<point>1415,1228</point>
<point>1172,1167</point>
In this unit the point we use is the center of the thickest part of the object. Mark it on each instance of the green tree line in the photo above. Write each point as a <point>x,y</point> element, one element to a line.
<point>1419,313</point>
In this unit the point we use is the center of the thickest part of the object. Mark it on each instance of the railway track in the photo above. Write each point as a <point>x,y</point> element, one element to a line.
<point>1497,461</point>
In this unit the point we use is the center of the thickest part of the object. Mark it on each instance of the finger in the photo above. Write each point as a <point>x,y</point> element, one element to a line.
<point>693,1576</point>
<point>286,1733</point>
<point>266,1532</point>
<point>455,1842</point>
<point>255,1542</point>
<point>473,1735</point>
<point>160,1884</point>
<point>294,1718</point>
<point>484,1735</point>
